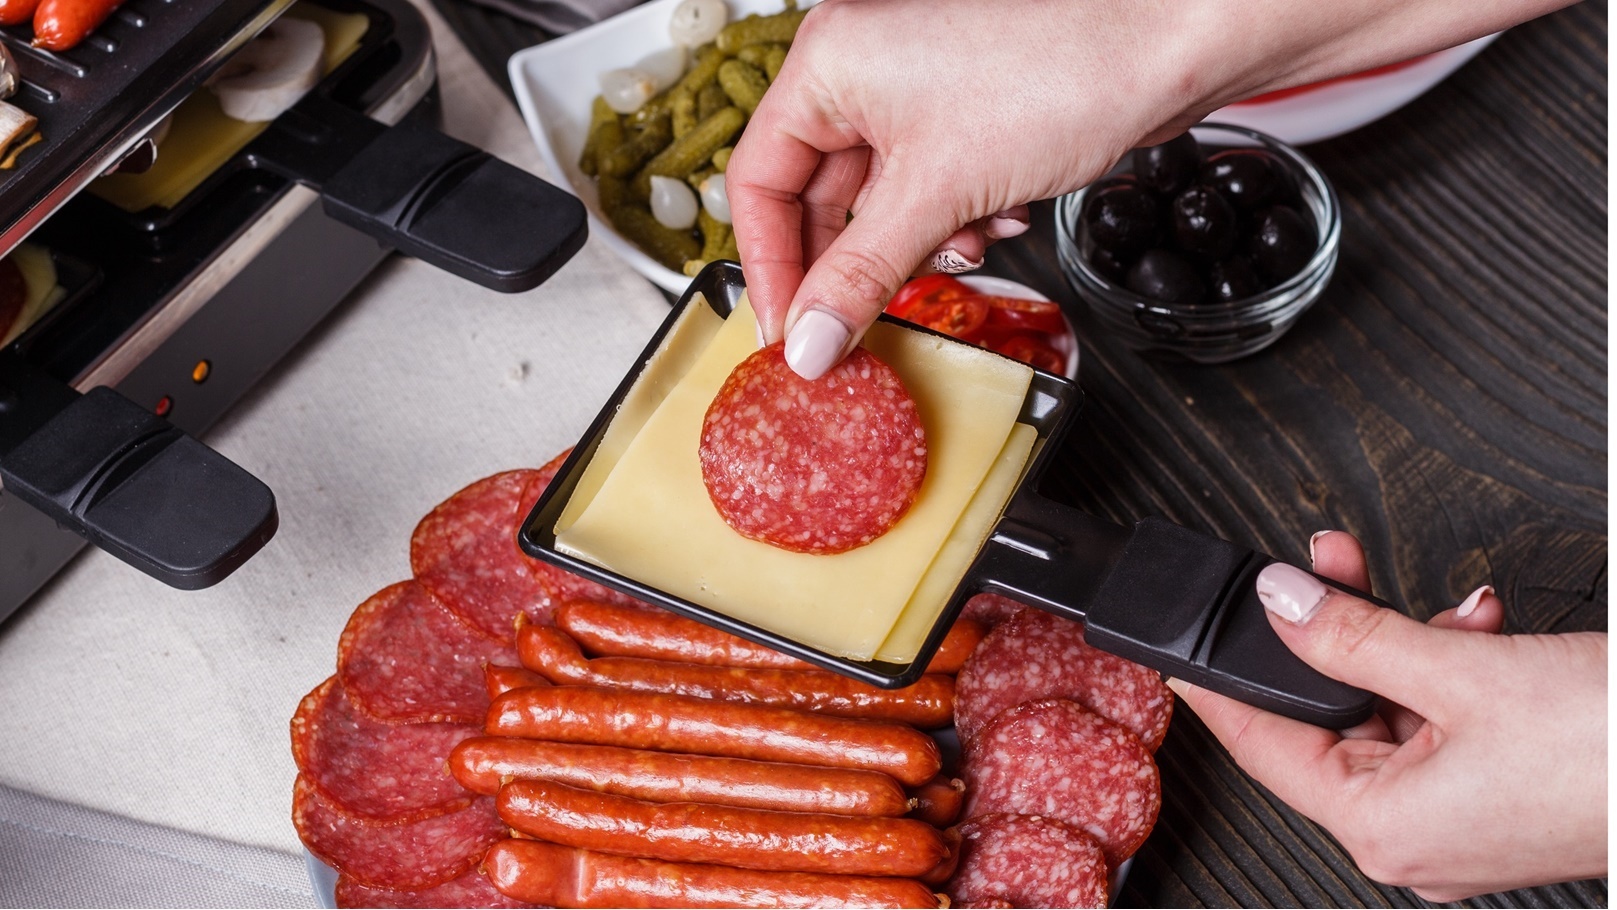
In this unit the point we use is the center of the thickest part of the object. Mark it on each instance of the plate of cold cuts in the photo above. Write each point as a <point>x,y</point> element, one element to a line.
<point>501,733</point>
<point>1322,110</point>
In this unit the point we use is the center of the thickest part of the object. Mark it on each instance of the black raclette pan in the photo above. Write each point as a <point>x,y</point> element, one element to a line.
<point>1175,600</point>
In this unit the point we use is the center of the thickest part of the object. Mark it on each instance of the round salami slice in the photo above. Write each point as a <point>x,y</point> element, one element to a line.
<point>384,772</point>
<point>991,609</point>
<point>412,855</point>
<point>819,466</point>
<point>405,658</point>
<point>1027,861</point>
<point>1040,655</point>
<point>1057,759</point>
<point>469,890</point>
<point>465,552</point>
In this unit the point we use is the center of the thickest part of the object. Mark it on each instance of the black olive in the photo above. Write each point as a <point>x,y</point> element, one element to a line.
<point>1123,218</point>
<point>1249,178</point>
<point>1203,223</point>
<point>1169,167</point>
<point>1109,265</point>
<point>1234,279</point>
<point>1282,242</point>
<point>1166,276</point>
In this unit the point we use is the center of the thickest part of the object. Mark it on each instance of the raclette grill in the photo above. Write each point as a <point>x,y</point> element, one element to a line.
<point>98,405</point>
<point>1158,594</point>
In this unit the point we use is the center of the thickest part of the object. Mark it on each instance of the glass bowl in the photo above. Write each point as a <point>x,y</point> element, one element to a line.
<point>1207,332</point>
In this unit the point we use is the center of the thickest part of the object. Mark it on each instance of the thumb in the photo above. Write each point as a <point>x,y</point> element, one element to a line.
<point>847,287</point>
<point>1355,641</point>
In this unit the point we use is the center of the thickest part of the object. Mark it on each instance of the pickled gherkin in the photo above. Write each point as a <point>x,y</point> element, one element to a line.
<point>692,150</point>
<point>711,99</point>
<point>744,83</point>
<point>755,29</point>
<point>667,245</point>
<point>606,131</point>
<point>641,143</point>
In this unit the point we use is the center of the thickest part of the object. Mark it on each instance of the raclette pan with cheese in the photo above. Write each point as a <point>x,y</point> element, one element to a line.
<point>1168,597</point>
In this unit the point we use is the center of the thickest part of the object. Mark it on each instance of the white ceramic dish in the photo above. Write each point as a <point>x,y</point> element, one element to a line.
<point>1343,105</point>
<point>555,83</point>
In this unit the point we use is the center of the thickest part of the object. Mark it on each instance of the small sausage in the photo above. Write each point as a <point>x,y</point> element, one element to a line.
<point>937,802</point>
<point>554,876</point>
<point>482,763</point>
<point>501,680</point>
<point>16,12</point>
<point>618,631</point>
<point>678,723</point>
<point>726,835</point>
<point>62,24</point>
<point>929,703</point>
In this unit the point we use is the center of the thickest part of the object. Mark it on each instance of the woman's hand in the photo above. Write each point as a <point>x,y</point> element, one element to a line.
<point>1486,767</point>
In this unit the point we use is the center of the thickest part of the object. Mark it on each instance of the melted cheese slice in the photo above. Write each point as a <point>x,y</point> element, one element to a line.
<point>642,510</point>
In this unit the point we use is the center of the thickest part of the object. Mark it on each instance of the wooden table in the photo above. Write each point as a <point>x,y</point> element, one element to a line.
<point>1445,401</point>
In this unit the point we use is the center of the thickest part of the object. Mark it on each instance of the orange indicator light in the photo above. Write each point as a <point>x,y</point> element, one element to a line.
<point>201,371</point>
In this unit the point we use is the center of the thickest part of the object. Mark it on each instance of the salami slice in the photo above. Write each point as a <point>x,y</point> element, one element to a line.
<point>1057,759</point>
<point>465,552</point>
<point>1040,655</point>
<point>1027,861</point>
<point>384,772</point>
<point>405,658</point>
<point>819,466</point>
<point>991,609</point>
<point>412,855</point>
<point>469,890</point>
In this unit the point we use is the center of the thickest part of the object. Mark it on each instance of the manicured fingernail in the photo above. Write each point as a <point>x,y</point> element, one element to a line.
<point>1311,541</point>
<point>815,343</point>
<point>999,228</point>
<point>1178,686</point>
<point>950,262</point>
<point>760,329</point>
<point>1290,593</point>
<point>1469,605</point>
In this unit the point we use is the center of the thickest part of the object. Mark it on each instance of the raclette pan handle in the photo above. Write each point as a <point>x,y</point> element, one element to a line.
<point>426,194</point>
<point>1178,601</point>
<point>128,481</point>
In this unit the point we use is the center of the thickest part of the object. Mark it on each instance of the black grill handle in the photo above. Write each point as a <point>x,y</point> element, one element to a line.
<point>426,194</point>
<point>128,481</point>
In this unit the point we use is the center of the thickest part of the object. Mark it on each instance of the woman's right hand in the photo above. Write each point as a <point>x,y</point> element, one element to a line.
<point>1486,767</point>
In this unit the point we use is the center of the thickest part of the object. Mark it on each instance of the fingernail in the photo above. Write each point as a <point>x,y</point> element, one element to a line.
<point>1178,686</point>
<point>815,343</point>
<point>1311,541</point>
<point>759,327</point>
<point>1469,605</point>
<point>1290,593</point>
<point>1004,228</point>
<point>950,262</point>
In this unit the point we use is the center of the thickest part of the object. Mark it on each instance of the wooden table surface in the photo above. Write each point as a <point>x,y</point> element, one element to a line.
<point>1445,401</point>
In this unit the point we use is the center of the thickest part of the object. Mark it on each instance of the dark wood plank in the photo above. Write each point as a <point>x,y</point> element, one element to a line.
<point>1445,401</point>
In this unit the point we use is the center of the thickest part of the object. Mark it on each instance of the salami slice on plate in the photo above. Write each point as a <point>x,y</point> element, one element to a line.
<point>469,890</point>
<point>408,856</point>
<point>1057,759</point>
<point>405,658</point>
<point>991,609</point>
<point>813,466</point>
<point>465,552</point>
<point>1027,861</point>
<point>1038,655</point>
<point>380,771</point>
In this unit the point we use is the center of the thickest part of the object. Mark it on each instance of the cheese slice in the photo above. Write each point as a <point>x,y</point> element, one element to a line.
<point>649,517</point>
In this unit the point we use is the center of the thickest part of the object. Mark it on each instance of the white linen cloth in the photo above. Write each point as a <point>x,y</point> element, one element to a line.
<point>171,708</point>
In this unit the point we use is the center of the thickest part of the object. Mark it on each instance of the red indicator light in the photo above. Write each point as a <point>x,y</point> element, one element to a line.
<point>164,405</point>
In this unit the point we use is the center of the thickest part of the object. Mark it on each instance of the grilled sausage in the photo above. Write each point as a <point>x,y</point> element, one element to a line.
<point>16,12</point>
<point>725,835</point>
<point>929,703</point>
<point>482,763</point>
<point>539,873</point>
<point>620,631</point>
<point>939,800</point>
<point>62,24</point>
<point>501,680</point>
<point>678,723</point>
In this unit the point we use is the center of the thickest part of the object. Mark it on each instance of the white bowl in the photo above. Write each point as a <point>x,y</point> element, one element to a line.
<point>555,84</point>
